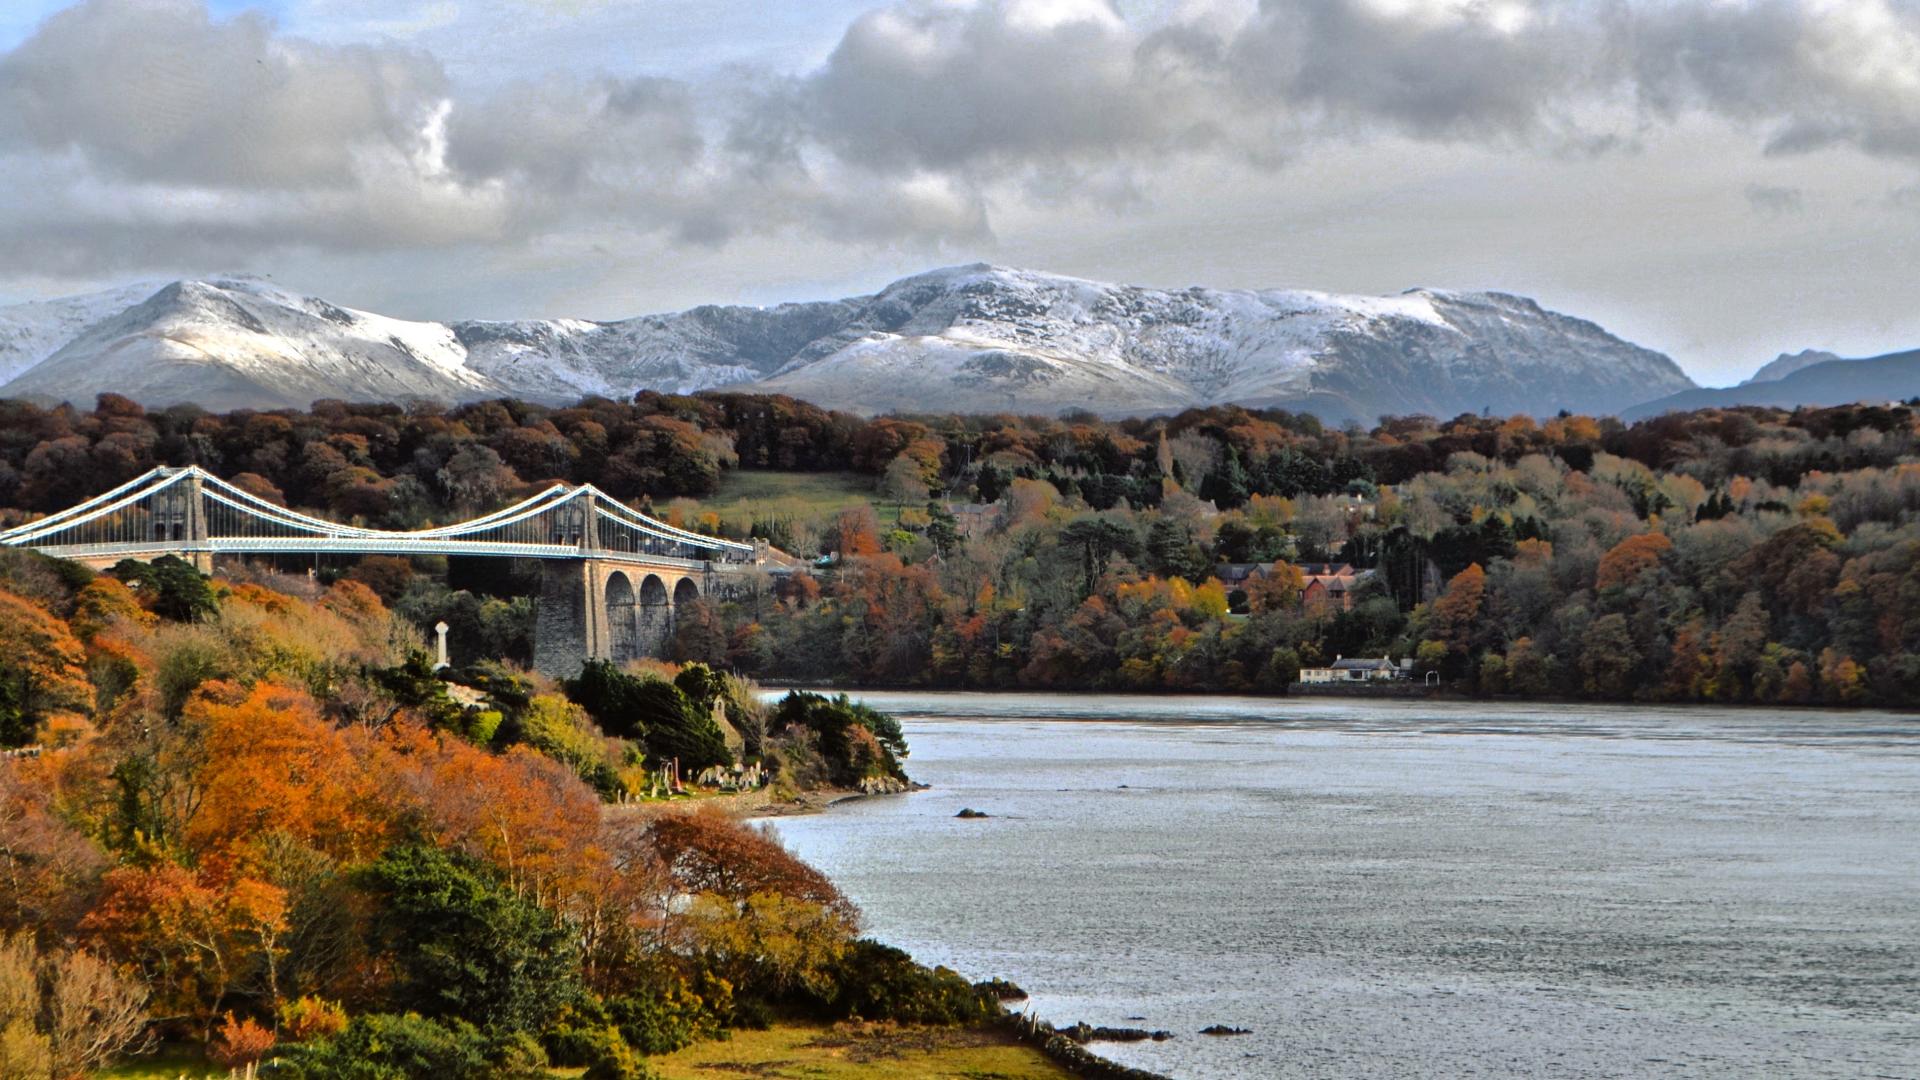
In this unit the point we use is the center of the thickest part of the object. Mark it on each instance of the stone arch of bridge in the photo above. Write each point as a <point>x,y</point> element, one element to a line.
<point>656,615</point>
<point>623,618</point>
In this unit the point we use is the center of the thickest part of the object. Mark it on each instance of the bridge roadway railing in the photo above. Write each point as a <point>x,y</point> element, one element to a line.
<point>201,514</point>
<point>290,545</point>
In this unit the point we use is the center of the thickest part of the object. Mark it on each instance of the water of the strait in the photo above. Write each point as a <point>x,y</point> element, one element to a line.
<point>1413,889</point>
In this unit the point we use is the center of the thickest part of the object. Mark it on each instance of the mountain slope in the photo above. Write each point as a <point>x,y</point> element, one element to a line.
<point>33,331</point>
<point>1787,363</point>
<point>244,344</point>
<point>1893,377</point>
<point>972,338</point>
<point>989,338</point>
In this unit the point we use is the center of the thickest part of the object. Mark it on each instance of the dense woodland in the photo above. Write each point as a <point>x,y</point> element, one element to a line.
<point>1745,555</point>
<point>251,820</point>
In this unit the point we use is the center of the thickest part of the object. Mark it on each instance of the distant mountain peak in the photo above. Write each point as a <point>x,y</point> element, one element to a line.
<point>1787,363</point>
<point>972,337</point>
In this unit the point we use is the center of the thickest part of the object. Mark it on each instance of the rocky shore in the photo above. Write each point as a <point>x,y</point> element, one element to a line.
<point>1071,1054</point>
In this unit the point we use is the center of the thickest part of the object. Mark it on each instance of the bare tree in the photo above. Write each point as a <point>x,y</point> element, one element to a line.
<point>23,1047</point>
<point>94,1014</point>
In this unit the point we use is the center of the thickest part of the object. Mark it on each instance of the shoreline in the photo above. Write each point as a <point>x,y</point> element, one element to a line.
<point>1442,695</point>
<point>1075,1057</point>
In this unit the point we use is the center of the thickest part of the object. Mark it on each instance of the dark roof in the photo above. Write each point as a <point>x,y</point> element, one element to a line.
<point>1362,665</point>
<point>1325,569</point>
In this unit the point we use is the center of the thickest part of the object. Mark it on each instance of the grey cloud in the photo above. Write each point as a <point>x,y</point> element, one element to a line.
<point>1771,200</point>
<point>942,86</point>
<point>154,90</point>
<point>1809,74</point>
<point>156,130</point>
<point>1434,71</point>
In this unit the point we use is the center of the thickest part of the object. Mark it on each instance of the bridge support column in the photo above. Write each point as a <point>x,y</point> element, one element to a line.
<point>570,621</point>
<point>199,545</point>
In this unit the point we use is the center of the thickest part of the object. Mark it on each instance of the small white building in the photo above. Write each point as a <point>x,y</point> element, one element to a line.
<point>1344,670</point>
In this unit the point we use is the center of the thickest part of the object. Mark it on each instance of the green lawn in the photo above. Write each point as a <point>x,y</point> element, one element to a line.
<point>859,1052</point>
<point>171,1063</point>
<point>800,495</point>
<point>783,1052</point>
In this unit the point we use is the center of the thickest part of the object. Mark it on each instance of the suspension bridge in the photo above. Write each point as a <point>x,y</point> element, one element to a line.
<point>611,576</point>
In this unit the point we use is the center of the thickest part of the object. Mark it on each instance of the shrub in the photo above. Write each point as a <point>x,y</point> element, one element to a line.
<point>670,1013</point>
<point>387,1047</point>
<point>518,1056</point>
<point>617,1061</point>
<point>171,587</point>
<point>240,1042</point>
<point>575,1037</point>
<point>657,712</point>
<point>306,1018</point>
<point>465,945</point>
<point>879,982</point>
<point>857,742</point>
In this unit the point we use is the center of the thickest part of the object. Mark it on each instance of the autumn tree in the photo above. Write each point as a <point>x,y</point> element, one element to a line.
<point>1278,588</point>
<point>42,669</point>
<point>709,852</point>
<point>195,942</point>
<point>1626,561</point>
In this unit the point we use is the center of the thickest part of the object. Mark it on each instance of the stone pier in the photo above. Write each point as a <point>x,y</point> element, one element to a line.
<point>607,609</point>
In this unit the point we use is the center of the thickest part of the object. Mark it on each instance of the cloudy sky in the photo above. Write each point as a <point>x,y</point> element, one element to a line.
<point>1719,179</point>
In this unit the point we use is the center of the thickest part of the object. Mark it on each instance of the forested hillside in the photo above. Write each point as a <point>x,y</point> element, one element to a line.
<point>248,822</point>
<point>1725,555</point>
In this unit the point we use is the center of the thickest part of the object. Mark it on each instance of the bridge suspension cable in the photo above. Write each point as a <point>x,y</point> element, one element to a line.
<point>191,510</point>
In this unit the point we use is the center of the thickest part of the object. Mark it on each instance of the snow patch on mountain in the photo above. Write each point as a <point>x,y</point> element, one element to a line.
<point>968,338</point>
<point>243,343</point>
<point>35,330</point>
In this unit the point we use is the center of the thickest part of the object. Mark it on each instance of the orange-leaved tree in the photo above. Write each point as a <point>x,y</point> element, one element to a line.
<point>1623,564</point>
<point>192,941</point>
<point>42,668</point>
<point>274,765</point>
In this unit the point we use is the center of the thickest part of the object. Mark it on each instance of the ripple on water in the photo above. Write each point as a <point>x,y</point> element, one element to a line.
<point>1414,889</point>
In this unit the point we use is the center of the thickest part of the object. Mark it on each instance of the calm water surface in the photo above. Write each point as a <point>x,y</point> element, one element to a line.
<point>1414,890</point>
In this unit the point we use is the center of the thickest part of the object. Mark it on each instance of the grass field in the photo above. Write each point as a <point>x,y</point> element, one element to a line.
<point>170,1063</point>
<point>859,1052</point>
<point>800,495</point>
<point>783,1052</point>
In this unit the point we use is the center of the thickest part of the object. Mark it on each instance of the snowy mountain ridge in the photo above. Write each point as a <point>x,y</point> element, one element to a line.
<point>970,338</point>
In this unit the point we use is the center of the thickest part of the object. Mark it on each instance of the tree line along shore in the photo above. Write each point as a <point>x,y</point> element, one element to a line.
<point>1725,555</point>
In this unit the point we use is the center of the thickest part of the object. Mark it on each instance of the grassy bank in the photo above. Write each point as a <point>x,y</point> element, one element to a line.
<point>812,1052</point>
<point>803,496</point>
<point>860,1052</point>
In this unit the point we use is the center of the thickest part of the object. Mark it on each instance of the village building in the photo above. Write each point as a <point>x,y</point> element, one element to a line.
<point>1330,584</point>
<point>973,520</point>
<point>1380,669</point>
<point>1325,586</point>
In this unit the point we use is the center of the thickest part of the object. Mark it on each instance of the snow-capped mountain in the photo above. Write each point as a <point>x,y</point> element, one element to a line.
<point>33,331</point>
<point>242,343</point>
<point>985,338</point>
<point>973,338</point>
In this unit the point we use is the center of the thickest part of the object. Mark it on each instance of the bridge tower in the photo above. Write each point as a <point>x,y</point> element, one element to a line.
<point>180,516</point>
<point>602,606</point>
